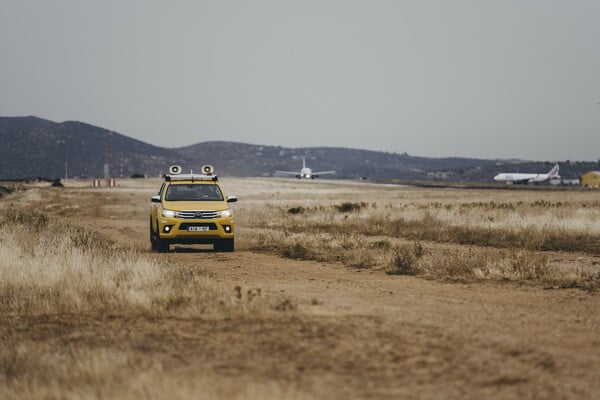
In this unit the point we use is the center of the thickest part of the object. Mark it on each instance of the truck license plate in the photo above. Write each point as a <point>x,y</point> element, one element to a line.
<point>197,228</point>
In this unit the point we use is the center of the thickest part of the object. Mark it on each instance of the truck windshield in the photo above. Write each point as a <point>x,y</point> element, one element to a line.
<point>193,192</point>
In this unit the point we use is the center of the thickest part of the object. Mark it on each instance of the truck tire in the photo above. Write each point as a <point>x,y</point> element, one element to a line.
<point>224,245</point>
<point>162,245</point>
<point>153,246</point>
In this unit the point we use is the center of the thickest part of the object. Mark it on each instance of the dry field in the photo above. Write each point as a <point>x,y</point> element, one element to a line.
<point>335,290</point>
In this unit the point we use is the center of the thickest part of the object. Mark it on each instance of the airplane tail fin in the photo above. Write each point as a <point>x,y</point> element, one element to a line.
<point>553,172</point>
<point>303,162</point>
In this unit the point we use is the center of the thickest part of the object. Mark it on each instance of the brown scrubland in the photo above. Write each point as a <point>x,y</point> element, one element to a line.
<point>335,290</point>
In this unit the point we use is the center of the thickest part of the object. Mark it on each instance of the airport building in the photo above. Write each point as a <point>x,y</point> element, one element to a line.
<point>590,179</point>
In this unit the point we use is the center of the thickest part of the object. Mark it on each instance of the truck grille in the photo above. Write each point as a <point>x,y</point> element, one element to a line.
<point>198,214</point>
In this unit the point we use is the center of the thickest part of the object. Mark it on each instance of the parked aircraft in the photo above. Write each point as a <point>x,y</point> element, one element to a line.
<point>527,178</point>
<point>305,172</point>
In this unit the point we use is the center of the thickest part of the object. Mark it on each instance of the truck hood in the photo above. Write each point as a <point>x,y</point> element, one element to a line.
<point>195,205</point>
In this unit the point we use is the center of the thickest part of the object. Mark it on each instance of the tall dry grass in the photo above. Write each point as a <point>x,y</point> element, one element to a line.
<point>500,234</point>
<point>431,224</point>
<point>491,236</point>
<point>60,282</point>
<point>48,267</point>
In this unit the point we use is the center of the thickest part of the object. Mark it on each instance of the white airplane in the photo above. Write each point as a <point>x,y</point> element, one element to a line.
<point>305,172</point>
<point>527,178</point>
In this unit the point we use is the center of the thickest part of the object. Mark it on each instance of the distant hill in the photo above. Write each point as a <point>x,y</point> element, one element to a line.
<point>34,147</point>
<point>251,160</point>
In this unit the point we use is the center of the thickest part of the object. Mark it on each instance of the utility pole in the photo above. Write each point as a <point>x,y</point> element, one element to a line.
<point>106,165</point>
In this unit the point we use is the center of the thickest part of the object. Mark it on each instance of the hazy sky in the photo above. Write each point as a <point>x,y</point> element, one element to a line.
<point>476,78</point>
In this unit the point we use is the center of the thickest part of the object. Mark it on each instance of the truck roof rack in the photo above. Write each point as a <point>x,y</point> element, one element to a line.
<point>191,177</point>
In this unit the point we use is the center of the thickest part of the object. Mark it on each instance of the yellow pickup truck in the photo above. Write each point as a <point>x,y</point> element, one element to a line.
<point>191,209</point>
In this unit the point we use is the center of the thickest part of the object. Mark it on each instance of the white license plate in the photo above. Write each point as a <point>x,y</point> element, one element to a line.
<point>198,228</point>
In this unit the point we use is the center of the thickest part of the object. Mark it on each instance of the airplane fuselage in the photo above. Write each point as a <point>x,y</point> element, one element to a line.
<point>305,173</point>
<point>521,178</point>
<point>527,178</point>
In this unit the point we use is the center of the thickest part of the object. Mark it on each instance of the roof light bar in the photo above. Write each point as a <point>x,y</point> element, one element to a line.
<point>191,177</point>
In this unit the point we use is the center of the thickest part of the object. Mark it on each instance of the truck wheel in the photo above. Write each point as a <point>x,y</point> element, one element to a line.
<point>224,245</point>
<point>162,245</point>
<point>152,238</point>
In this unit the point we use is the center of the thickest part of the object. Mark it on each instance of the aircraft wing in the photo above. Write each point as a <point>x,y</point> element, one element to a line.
<point>294,173</point>
<point>323,173</point>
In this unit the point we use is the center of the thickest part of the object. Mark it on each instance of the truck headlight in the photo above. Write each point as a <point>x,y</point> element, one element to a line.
<point>224,213</point>
<point>169,213</point>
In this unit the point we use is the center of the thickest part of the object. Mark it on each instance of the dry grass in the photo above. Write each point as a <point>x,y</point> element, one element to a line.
<point>496,236</point>
<point>83,316</point>
<point>423,224</point>
<point>48,267</point>
<point>47,371</point>
<point>49,270</point>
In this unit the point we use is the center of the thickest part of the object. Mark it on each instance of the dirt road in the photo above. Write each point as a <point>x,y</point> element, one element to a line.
<point>365,334</point>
